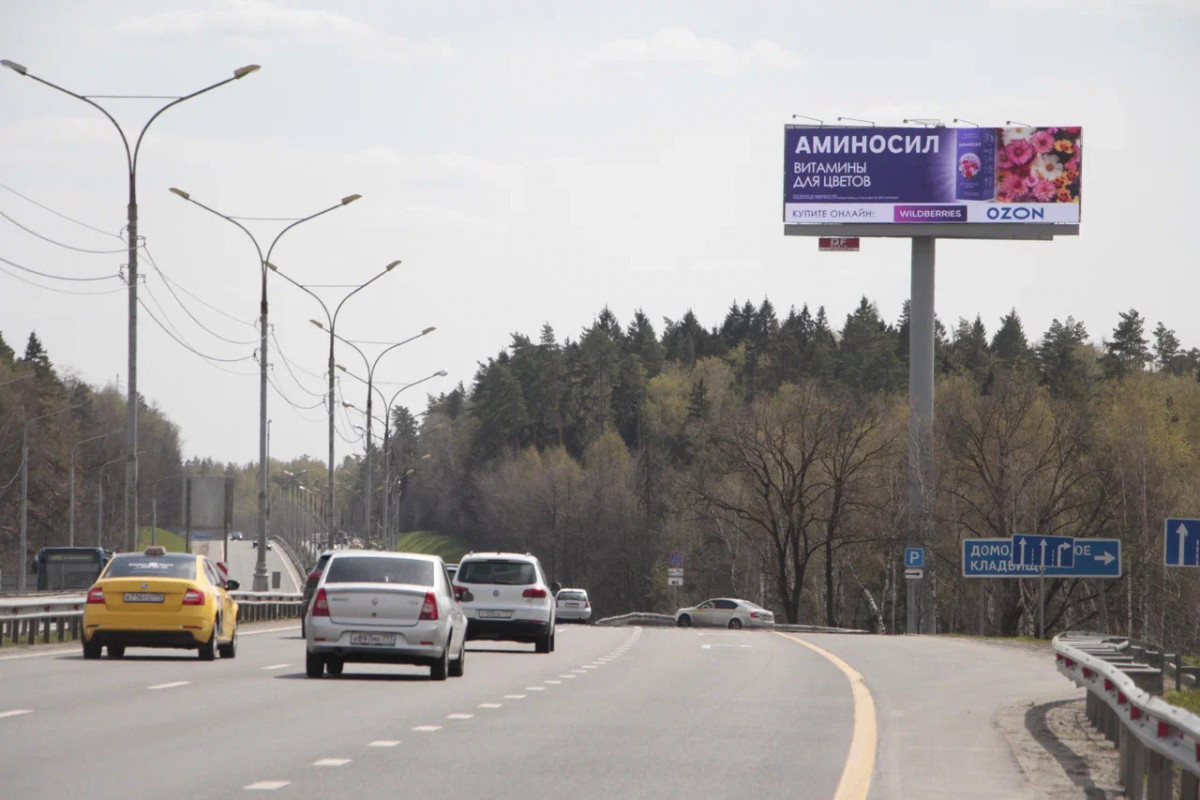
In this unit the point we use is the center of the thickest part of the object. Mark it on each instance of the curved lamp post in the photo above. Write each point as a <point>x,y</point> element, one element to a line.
<point>260,566</point>
<point>131,157</point>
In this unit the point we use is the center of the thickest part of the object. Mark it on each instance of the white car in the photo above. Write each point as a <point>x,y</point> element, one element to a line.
<point>506,597</point>
<point>572,604</point>
<point>385,608</point>
<point>724,612</point>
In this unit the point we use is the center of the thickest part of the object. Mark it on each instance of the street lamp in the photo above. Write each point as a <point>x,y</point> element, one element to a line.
<point>131,157</point>
<point>331,319</point>
<point>100,504</point>
<point>74,450</point>
<point>260,567</point>
<point>25,493</point>
<point>370,365</point>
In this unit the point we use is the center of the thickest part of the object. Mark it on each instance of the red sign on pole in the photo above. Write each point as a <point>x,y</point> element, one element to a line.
<point>837,244</point>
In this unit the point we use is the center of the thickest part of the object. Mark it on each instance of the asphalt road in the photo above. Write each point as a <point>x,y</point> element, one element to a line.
<point>243,557</point>
<point>614,712</point>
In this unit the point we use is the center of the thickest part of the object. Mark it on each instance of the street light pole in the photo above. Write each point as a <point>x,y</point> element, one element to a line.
<point>25,494</point>
<point>131,156</point>
<point>260,566</point>
<point>74,450</point>
<point>331,319</point>
<point>100,504</point>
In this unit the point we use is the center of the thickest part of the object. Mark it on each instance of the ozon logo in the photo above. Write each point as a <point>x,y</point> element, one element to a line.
<point>1015,213</point>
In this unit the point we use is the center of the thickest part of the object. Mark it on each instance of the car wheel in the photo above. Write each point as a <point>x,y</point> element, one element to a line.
<point>116,651</point>
<point>685,621</point>
<point>735,623</point>
<point>458,665</point>
<point>302,627</point>
<point>542,644</point>
<point>553,641</point>
<point>335,666</point>
<point>441,668</point>
<point>229,650</point>
<point>91,650</point>
<point>314,665</point>
<point>208,650</point>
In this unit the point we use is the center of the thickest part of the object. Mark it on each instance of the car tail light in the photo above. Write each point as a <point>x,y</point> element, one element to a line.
<point>459,590</point>
<point>429,610</point>
<point>95,595</point>
<point>753,615</point>
<point>535,592</point>
<point>315,575</point>
<point>320,606</point>
<point>193,597</point>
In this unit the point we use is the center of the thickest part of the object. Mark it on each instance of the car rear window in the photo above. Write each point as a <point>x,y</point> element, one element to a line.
<point>380,569</point>
<point>170,565</point>
<point>567,594</point>
<point>497,571</point>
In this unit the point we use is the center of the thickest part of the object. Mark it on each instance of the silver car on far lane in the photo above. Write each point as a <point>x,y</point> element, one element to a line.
<point>725,612</point>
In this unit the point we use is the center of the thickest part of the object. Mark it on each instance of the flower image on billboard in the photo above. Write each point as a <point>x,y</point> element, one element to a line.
<point>932,175</point>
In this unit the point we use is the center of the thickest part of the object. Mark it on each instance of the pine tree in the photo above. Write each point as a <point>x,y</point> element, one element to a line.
<point>1167,351</point>
<point>1128,352</point>
<point>642,341</point>
<point>7,356</point>
<point>1060,356</point>
<point>867,361</point>
<point>36,357</point>
<point>1010,349</point>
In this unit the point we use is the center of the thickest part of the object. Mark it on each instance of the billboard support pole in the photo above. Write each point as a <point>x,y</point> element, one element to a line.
<point>919,605</point>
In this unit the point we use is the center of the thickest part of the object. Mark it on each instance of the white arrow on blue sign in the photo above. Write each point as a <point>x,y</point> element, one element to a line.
<point>1182,545</point>
<point>1043,551</point>
<point>992,558</point>
<point>914,556</point>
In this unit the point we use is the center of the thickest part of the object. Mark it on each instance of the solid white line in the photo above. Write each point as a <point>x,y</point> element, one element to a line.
<point>170,685</point>
<point>57,651</point>
<point>459,716</point>
<point>491,705</point>
<point>332,762</point>
<point>384,743</point>
<point>427,728</point>
<point>515,696</point>
<point>268,786</point>
<point>269,630</point>
<point>16,712</point>
<point>277,666</point>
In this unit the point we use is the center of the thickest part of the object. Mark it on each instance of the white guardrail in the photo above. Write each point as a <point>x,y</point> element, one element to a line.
<point>1154,736</point>
<point>668,620</point>
<point>31,618</point>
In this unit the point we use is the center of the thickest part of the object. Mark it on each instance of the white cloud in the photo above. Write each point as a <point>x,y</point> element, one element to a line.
<point>681,46</point>
<point>1111,7</point>
<point>262,19</point>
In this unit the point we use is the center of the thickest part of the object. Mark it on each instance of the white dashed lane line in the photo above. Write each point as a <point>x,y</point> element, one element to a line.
<point>491,705</point>
<point>459,716</point>
<point>568,676</point>
<point>514,697</point>
<point>170,685</point>
<point>552,682</point>
<point>332,762</point>
<point>427,728</point>
<point>384,743</point>
<point>535,688</point>
<point>267,786</point>
<point>277,666</point>
<point>16,712</point>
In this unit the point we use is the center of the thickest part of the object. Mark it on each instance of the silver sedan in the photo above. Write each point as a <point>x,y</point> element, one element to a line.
<point>724,612</point>
<point>389,608</point>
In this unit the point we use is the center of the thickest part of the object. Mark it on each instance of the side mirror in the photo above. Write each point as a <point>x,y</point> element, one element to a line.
<point>232,585</point>
<point>556,587</point>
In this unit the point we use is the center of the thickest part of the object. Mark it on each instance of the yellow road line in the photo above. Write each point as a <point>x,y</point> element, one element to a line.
<point>860,761</point>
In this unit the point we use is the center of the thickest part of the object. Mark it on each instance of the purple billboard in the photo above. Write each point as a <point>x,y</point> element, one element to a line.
<point>923,175</point>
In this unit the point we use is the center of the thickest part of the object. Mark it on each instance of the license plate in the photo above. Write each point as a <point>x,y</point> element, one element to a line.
<point>573,605</point>
<point>494,613</point>
<point>143,597</point>
<point>373,639</point>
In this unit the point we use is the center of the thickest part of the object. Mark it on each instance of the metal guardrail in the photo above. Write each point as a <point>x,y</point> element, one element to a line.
<point>668,620</point>
<point>33,618</point>
<point>1154,736</point>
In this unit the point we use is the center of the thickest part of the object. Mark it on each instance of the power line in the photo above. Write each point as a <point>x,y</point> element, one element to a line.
<point>187,346</point>
<point>57,290</point>
<point>287,362</point>
<point>194,296</point>
<point>186,310</point>
<point>57,277</point>
<point>32,232</point>
<point>59,213</point>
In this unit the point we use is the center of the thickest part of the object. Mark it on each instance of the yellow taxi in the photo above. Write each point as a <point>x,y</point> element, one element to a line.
<point>160,599</point>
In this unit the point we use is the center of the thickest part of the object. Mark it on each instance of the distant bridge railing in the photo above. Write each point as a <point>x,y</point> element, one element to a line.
<point>1154,736</point>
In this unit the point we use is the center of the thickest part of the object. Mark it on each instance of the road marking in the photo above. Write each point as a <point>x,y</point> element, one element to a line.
<point>711,646</point>
<point>269,630</point>
<point>515,696</point>
<point>384,743</point>
<point>170,685</point>
<point>16,712</point>
<point>535,688</point>
<point>332,762</point>
<point>491,705</point>
<point>552,682</point>
<point>427,728</point>
<point>860,760</point>
<point>459,716</point>
<point>589,666</point>
<point>277,666</point>
<point>58,651</point>
<point>268,786</point>
<point>579,671</point>
<point>564,675</point>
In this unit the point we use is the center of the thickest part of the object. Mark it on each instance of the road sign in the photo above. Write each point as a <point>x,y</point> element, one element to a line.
<point>992,558</point>
<point>675,559</point>
<point>914,556</point>
<point>675,572</point>
<point>1043,551</point>
<point>837,244</point>
<point>675,581</point>
<point>1182,545</point>
<point>914,574</point>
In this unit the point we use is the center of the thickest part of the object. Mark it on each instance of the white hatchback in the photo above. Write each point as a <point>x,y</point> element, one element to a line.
<point>573,604</point>
<point>389,608</point>
<point>506,597</point>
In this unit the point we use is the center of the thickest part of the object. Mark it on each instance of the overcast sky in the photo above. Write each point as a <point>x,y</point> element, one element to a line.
<point>531,162</point>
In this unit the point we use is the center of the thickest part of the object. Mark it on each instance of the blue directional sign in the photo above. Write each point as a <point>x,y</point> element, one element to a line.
<point>992,558</point>
<point>914,556</point>
<point>1182,546</point>
<point>1043,551</point>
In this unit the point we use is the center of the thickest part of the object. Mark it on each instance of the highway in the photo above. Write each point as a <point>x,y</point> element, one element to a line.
<point>614,712</point>
<point>243,556</point>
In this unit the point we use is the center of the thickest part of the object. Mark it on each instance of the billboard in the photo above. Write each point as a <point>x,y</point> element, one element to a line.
<point>938,175</point>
